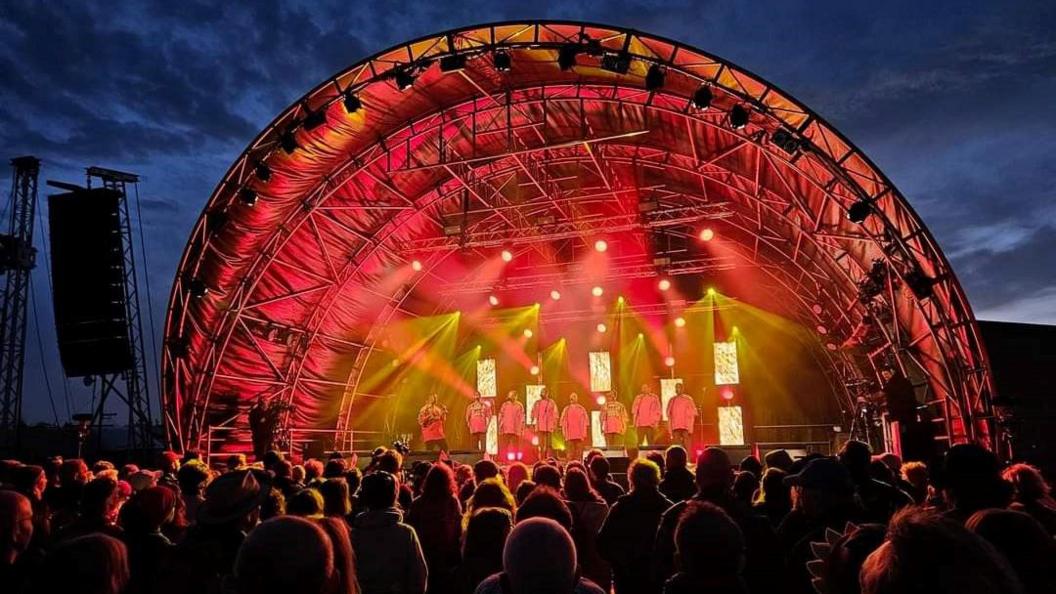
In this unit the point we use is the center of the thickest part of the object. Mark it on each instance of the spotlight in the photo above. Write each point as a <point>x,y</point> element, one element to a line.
<point>785,141</point>
<point>247,196</point>
<point>534,370</point>
<point>452,63</point>
<point>263,172</point>
<point>669,361</point>
<point>711,292</point>
<point>600,400</point>
<point>597,291</point>
<point>404,78</point>
<point>822,329</point>
<point>859,211</point>
<point>738,117</point>
<point>535,440</point>
<point>727,394</point>
<point>520,455</point>
<point>680,322</point>
<point>620,300</point>
<point>640,335</point>
<point>619,63</point>
<point>198,288</point>
<point>528,334</point>
<point>416,265</point>
<point>351,103</point>
<point>566,56</point>
<point>654,78</point>
<point>706,234</point>
<point>314,119</point>
<point>702,97</point>
<point>503,61</point>
<point>602,328</point>
<point>511,456</point>
<point>493,300</point>
<point>601,245</point>
<point>507,255</point>
<point>555,294</point>
<point>288,142</point>
<point>664,284</point>
<point>921,284</point>
<point>735,330</point>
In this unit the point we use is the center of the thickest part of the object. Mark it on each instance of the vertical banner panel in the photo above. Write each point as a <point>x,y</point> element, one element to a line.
<point>731,425</point>
<point>726,372</point>
<point>487,383</point>
<point>597,436</point>
<point>600,372</point>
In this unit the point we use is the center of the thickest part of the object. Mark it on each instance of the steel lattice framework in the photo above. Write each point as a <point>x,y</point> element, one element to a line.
<point>436,147</point>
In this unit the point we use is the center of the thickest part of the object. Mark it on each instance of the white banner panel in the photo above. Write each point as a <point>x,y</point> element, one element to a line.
<point>491,438</point>
<point>600,372</point>
<point>596,434</point>
<point>731,426</point>
<point>726,372</point>
<point>487,383</point>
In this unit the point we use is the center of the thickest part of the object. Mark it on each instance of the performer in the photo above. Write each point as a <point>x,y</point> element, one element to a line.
<point>511,422</point>
<point>574,422</point>
<point>613,421</point>
<point>681,413</point>
<point>431,419</point>
<point>477,415</point>
<point>544,418</point>
<point>646,412</point>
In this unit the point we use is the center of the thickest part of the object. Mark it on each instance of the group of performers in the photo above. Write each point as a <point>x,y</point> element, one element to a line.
<point>573,421</point>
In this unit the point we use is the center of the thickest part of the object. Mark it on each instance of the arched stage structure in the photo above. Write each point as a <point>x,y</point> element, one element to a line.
<point>386,193</point>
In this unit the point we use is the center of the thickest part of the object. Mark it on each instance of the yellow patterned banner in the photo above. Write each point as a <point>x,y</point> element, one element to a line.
<point>487,384</point>
<point>731,426</point>
<point>726,372</point>
<point>600,372</point>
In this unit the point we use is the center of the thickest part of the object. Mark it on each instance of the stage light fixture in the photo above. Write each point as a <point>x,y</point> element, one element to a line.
<point>288,142</point>
<point>416,265</point>
<point>534,370</point>
<point>654,78</point>
<point>452,63</point>
<point>555,295</point>
<point>669,361</point>
<point>528,333</point>
<point>602,328</point>
<point>566,56</point>
<point>706,234</point>
<point>620,300</point>
<point>619,62</point>
<point>735,330</point>
<point>680,322</point>
<point>503,61</point>
<point>404,78</point>
<point>493,300</point>
<point>351,103</point>
<point>785,141</point>
<point>712,292</point>
<point>822,329</point>
<point>641,336</point>
<point>738,117</point>
<point>247,196</point>
<point>510,456</point>
<point>597,291</point>
<point>452,230</point>
<point>859,211</point>
<point>314,119</point>
<point>600,400</point>
<point>702,97</point>
<point>664,284</point>
<point>535,440</point>
<point>727,394</point>
<point>198,288</point>
<point>507,255</point>
<point>263,172</point>
<point>601,245</point>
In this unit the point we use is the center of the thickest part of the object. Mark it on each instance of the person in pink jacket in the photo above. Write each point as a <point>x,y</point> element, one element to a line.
<point>646,413</point>
<point>431,419</point>
<point>681,414</point>
<point>478,413</point>
<point>511,423</point>
<point>613,421</point>
<point>574,423</point>
<point>544,418</point>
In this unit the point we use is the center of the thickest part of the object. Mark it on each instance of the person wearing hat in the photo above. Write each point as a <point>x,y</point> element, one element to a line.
<point>714,478</point>
<point>780,459</point>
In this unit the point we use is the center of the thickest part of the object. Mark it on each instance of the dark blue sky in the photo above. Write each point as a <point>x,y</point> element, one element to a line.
<point>954,101</point>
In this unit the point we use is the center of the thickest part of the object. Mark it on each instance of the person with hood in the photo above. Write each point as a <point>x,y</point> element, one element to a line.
<point>389,558</point>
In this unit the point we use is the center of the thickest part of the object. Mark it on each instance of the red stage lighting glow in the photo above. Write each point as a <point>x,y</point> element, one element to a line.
<point>664,284</point>
<point>555,294</point>
<point>680,322</point>
<point>416,265</point>
<point>520,455</point>
<point>727,394</point>
<point>601,245</point>
<point>535,440</point>
<point>602,328</point>
<point>507,255</point>
<point>706,234</point>
<point>597,291</point>
<point>669,361</point>
<point>493,300</point>
<point>511,456</point>
<point>534,370</point>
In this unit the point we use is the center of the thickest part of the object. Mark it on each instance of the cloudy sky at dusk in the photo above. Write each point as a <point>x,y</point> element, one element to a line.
<point>954,101</point>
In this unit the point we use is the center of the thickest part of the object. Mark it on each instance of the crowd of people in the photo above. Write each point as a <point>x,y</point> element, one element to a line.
<point>850,523</point>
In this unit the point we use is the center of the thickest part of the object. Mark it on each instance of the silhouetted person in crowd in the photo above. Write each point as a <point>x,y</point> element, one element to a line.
<point>779,459</point>
<point>490,493</point>
<point>602,482</point>
<point>65,496</point>
<point>971,481</point>
<point>1023,542</point>
<point>192,478</point>
<point>838,564</point>
<point>915,475</point>
<point>267,564</point>
<point>714,478</point>
<point>588,514</point>
<point>547,475</point>
<point>774,500</point>
<point>678,483</point>
<point>485,537</point>
<point>711,552</point>
<point>627,537</point>
<point>306,503</point>
<point>344,579</point>
<point>544,502</point>
<point>336,501</point>
<point>539,557</point>
<point>745,485</point>
<point>751,464</point>
<point>926,553</point>
<point>524,490</point>
<point>90,564</point>
<point>389,558</point>
<point>879,500</point>
<point>18,562</point>
<point>1032,495</point>
<point>436,515</point>
<point>100,503</point>
<point>148,549</point>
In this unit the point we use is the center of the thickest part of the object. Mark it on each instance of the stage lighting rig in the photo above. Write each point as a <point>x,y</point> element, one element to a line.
<point>702,97</point>
<point>566,56</point>
<point>785,141</point>
<point>874,282</point>
<point>654,78</point>
<point>263,172</point>
<point>738,117</point>
<point>859,211</point>
<point>314,119</point>
<point>404,77</point>
<point>921,284</point>
<point>248,196</point>
<point>453,63</point>
<point>351,102</point>
<point>198,288</point>
<point>503,61</point>
<point>619,62</point>
<point>288,142</point>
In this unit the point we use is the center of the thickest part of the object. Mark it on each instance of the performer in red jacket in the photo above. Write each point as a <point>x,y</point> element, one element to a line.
<point>544,417</point>
<point>511,423</point>
<point>478,413</point>
<point>646,413</point>
<point>431,419</point>
<point>574,423</point>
